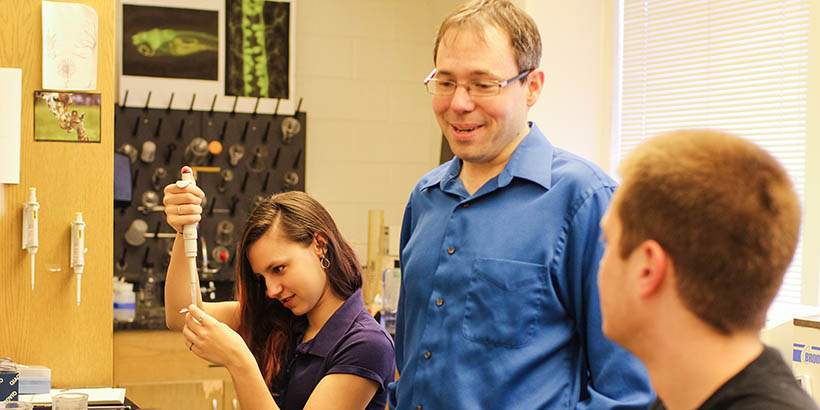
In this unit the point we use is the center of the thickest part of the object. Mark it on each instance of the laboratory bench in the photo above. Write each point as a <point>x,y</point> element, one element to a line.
<point>157,371</point>
<point>127,404</point>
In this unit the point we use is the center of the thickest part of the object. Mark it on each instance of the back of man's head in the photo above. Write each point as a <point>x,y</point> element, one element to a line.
<point>477,15</point>
<point>725,212</point>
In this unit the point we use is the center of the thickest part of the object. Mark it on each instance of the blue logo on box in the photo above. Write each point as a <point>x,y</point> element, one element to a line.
<point>802,353</point>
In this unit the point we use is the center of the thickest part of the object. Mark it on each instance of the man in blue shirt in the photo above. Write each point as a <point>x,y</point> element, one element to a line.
<point>499,248</point>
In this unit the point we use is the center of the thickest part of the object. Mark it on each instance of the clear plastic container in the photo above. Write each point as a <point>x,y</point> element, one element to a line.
<point>391,282</point>
<point>125,301</point>
<point>34,379</point>
<point>69,401</point>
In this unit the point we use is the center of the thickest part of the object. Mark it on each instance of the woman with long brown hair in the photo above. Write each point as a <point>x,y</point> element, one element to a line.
<point>298,335</point>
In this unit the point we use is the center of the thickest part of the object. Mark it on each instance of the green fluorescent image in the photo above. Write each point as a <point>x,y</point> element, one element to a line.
<point>169,42</point>
<point>257,49</point>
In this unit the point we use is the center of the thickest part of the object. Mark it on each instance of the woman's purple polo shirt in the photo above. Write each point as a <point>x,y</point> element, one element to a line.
<point>350,342</point>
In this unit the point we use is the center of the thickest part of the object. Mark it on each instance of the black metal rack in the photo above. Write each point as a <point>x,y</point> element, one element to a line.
<point>272,160</point>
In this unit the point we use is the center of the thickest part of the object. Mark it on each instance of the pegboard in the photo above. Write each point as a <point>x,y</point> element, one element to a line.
<point>273,160</point>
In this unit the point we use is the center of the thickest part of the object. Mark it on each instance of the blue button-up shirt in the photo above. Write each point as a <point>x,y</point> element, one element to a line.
<point>499,303</point>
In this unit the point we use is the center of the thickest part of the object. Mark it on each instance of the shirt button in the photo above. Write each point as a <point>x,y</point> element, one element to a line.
<point>439,302</point>
<point>427,355</point>
<point>418,407</point>
<point>451,251</point>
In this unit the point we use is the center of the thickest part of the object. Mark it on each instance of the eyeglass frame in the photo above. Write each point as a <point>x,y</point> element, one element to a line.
<point>501,84</point>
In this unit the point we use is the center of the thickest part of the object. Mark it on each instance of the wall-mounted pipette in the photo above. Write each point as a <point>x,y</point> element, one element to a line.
<point>30,243</point>
<point>190,237</point>
<point>78,249</point>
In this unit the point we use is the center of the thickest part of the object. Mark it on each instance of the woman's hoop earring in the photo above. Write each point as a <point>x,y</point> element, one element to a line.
<point>325,262</point>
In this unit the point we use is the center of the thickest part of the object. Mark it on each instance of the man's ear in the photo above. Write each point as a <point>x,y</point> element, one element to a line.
<point>534,86</point>
<point>654,263</point>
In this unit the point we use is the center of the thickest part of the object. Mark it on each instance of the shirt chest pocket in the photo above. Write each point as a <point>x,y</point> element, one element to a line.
<point>504,302</point>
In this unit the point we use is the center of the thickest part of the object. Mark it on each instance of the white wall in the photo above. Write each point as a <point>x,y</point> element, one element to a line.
<point>371,133</point>
<point>578,38</point>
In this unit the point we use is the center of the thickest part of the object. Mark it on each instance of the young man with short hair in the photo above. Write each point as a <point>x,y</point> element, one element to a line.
<point>698,238</point>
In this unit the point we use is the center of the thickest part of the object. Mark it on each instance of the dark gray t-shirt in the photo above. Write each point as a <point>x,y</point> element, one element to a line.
<point>766,383</point>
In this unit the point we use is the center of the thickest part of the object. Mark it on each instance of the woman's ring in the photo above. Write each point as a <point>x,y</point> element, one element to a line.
<point>179,209</point>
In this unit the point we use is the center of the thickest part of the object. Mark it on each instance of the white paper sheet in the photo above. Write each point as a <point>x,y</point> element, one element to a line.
<point>11,82</point>
<point>69,46</point>
<point>96,395</point>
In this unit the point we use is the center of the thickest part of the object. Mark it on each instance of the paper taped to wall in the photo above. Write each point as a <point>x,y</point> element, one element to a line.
<point>69,46</point>
<point>10,114</point>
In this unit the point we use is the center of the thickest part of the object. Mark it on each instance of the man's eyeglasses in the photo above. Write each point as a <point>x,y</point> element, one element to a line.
<point>480,88</point>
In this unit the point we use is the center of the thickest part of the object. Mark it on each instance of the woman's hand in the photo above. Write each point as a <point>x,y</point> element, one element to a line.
<point>215,341</point>
<point>182,204</point>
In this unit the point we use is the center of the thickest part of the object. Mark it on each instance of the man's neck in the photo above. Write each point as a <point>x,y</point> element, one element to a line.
<point>475,174</point>
<point>687,367</point>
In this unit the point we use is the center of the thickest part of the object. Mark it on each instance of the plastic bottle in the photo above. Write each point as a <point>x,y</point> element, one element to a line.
<point>124,301</point>
<point>149,293</point>
<point>391,282</point>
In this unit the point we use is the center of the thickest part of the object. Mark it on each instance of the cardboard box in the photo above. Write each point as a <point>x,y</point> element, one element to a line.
<point>9,386</point>
<point>806,354</point>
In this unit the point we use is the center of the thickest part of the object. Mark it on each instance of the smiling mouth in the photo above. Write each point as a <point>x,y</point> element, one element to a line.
<point>459,129</point>
<point>287,299</point>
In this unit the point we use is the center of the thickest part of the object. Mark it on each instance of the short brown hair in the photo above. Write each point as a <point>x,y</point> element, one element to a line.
<point>519,26</point>
<point>266,325</point>
<point>725,212</point>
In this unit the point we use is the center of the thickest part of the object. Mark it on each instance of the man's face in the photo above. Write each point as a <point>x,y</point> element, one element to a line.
<point>613,280</point>
<point>480,130</point>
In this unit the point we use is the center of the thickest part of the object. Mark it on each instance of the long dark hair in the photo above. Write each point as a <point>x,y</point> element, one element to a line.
<point>266,325</point>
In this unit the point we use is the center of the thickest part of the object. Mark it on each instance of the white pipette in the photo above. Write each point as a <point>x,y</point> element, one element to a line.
<point>78,249</point>
<point>30,243</point>
<point>190,237</point>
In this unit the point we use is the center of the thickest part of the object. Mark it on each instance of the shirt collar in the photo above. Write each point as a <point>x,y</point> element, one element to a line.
<point>443,174</point>
<point>531,160</point>
<point>335,327</point>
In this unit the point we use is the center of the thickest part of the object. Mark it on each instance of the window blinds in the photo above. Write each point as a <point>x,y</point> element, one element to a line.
<point>736,65</point>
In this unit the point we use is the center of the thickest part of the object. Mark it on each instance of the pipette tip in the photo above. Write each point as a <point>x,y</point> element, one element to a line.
<point>32,271</point>
<point>79,281</point>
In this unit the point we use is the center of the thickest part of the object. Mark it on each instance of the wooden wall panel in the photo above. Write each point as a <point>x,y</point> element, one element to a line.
<point>45,326</point>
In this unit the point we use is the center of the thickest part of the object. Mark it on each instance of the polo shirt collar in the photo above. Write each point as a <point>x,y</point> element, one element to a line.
<point>340,321</point>
<point>531,160</point>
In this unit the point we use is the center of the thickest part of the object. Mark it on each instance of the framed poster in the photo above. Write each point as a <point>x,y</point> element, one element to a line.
<point>258,48</point>
<point>170,42</point>
<point>170,46</point>
<point>168,52</point>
